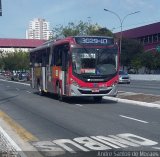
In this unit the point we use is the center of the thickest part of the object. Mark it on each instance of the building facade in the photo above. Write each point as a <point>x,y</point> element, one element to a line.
<point>11,45</point>
<point>148,35</point>
<point>39,29</point>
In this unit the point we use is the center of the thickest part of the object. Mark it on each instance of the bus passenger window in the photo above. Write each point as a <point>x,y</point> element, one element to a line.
<point>45,58</point>
<point>58,57</point>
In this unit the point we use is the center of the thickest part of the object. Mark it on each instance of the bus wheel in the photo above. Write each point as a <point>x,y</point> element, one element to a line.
<point>97,99</point>
<point>59,92</point>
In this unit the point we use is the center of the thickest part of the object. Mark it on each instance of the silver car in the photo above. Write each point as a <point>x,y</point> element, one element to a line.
<point>124,77</point>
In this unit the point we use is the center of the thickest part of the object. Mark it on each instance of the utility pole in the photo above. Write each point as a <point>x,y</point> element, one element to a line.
<point>121,20</point>
<point>0,8</point>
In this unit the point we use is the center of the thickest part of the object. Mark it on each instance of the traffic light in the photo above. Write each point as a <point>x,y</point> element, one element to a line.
<point>158,48</point>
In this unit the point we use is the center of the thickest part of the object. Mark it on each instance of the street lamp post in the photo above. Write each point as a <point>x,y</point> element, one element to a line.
<point>121,20</point>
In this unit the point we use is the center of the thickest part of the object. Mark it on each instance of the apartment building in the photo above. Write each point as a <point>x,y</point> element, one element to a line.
<point>39,29</point>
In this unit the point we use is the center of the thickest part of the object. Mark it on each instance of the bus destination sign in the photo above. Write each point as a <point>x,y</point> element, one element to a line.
<point>94,41</point>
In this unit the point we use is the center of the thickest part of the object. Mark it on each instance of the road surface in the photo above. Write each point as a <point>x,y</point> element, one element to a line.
<point>79,127</point>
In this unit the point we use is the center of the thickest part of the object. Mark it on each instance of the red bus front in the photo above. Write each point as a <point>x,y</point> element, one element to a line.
<point>93,67</point>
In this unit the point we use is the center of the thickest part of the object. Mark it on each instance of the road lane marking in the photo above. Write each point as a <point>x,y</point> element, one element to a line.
<point>142,121</point>
<point>17,89</point>
<point>94,143</point>
<point>26,84</point>
<point>28,91</point>
<point>79,105</point>
<point>156,148</point>
<point>7,86</point>
<point>23,133</point>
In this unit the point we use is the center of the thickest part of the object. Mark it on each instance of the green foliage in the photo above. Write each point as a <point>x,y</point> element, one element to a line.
<point>151,61</point>
<point>136,63</point>
<point>17,60</point>
<point>82,28</point>
<point>157,61</point>
<point>130,54</point>
<point>1,63</point>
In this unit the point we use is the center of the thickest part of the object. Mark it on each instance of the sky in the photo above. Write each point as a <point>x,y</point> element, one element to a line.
<point>16,14</point>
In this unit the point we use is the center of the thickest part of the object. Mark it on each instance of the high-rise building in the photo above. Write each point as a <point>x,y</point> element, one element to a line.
<point>39,29</point>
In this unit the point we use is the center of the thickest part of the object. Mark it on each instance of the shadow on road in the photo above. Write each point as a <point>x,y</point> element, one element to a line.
<point>76,100</point>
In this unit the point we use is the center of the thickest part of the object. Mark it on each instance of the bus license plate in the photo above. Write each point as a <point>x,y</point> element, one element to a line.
<point>95,90</point>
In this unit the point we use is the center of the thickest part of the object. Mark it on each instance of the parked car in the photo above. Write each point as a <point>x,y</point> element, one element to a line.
<point>7,73</point>
<point>20,76</point>
<point>124,77</point>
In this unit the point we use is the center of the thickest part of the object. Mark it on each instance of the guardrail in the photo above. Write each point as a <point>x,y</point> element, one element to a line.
<point>147,77</point>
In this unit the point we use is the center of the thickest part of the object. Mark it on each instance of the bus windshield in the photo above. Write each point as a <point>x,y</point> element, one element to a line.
<point>92,61</point>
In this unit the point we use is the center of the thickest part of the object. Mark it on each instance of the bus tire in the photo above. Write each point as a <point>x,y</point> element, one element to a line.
<point>97,99</point>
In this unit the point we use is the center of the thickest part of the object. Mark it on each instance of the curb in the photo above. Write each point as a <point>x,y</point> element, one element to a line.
<point>8,146</point>
<point>133,102</point>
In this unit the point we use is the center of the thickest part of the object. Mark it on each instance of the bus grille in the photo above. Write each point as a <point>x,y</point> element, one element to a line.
<point>90,92</point>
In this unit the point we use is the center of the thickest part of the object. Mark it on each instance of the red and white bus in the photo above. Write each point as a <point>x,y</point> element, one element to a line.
<point>76,66</point>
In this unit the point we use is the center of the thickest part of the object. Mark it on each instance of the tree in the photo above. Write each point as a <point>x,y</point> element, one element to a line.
<point>82,28</point>
<point>131,50</point>
<point>100,32</point>
<point>148,61</point>
<point>157,61</point>
<point>136,63</point>
<point>17,60</point>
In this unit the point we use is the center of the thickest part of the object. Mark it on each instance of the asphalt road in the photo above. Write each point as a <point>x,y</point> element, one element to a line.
<point>137,86</point>
<point>79,125</point>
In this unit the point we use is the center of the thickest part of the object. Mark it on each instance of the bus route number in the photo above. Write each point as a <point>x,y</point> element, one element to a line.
<point>94,41</point>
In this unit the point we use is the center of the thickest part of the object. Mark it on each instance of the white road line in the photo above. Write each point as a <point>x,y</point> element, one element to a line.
<point>7,86</point>
<point>133,119</point>
<point>26,84</point>
<point>156,148</point>
<point>79,105</point>
<point>17,89</point>
<point>28,91</point>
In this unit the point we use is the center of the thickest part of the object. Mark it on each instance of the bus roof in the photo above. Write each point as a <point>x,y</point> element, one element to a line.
<point>81,40</point>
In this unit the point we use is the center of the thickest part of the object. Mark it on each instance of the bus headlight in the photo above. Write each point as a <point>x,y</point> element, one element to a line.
<point>115,83</point>
<point>74,82</point>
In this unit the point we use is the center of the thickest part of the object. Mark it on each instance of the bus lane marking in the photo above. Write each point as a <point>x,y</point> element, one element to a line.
<point>17,89</point>
<point>158,148</point>
<point>94,143</point>
<point>142,121</point>
<point>22,132</point>
<point>79,105</point>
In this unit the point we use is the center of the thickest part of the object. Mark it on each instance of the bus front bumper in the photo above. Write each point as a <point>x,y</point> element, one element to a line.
<point>108,91</point>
